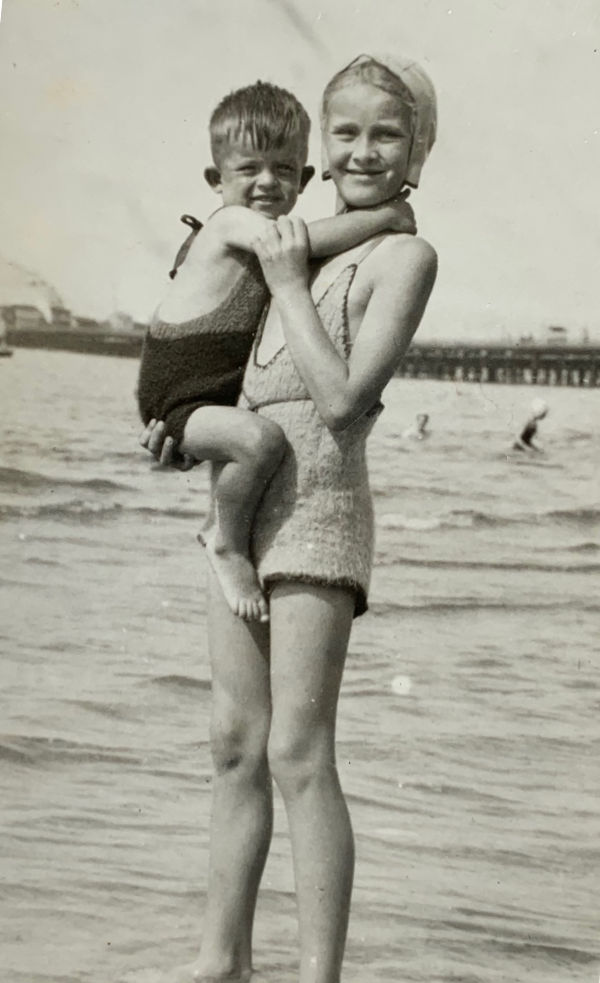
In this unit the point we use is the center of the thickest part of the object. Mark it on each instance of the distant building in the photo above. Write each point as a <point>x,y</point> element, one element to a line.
<point>122,322</point>
<point>28,302</point>
<point>89,325</point>
<point>556,335</point>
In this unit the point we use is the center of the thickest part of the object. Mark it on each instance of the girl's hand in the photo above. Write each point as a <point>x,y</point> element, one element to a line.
<point>283,254</point>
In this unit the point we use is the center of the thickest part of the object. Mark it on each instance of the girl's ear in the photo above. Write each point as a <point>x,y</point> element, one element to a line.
<point>213,177</point>
<point>308,173</point>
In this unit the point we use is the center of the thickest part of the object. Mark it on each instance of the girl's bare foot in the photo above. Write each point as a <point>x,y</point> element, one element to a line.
<point>237,578</point>
<point>195,973</point>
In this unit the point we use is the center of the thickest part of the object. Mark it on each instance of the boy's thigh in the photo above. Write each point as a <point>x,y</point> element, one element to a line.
<point>221,433</point>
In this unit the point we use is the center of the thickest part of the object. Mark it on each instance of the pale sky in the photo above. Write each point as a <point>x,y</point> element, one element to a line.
<point>103,119</point>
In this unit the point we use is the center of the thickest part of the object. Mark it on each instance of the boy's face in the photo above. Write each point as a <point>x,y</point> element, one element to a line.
<point>266,181</point>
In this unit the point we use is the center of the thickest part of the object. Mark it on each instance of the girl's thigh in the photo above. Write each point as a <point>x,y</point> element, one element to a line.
<point>239,657</point>
<point>310,630</point>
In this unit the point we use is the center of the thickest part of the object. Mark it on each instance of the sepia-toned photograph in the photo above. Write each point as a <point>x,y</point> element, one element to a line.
<point>299,491</point>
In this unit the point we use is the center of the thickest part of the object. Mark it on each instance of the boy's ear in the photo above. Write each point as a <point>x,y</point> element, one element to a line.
<point>308,172</point>
<point>212,176</point>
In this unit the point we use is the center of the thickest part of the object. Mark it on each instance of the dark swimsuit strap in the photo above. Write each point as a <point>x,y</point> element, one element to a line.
<point>195,225</point>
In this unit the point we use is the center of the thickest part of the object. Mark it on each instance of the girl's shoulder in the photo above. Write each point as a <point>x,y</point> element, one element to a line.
<point>401,248</point>
<point>410,256</point>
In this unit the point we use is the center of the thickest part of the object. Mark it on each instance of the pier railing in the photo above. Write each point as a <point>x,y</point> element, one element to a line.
<point>535,365</point>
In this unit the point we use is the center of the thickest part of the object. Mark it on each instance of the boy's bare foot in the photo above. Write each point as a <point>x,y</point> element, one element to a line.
<point>237,578</point>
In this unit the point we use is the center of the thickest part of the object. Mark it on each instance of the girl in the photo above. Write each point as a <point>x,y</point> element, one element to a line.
<point>321,359</point>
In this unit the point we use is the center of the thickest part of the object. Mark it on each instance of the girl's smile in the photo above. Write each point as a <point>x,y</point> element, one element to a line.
<point>367,135</point>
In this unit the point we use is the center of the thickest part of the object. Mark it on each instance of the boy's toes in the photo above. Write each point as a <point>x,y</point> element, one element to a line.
<point>251,610</point>
<point>263,610</point>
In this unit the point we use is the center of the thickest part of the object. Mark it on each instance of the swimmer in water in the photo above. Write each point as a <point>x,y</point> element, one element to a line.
<point>418,431</point>
<point>524,442</point>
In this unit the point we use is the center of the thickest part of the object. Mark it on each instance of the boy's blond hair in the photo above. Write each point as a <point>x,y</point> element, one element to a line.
<point>264,114</point>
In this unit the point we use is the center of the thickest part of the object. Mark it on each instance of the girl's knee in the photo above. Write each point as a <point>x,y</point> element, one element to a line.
<point>297,760</point>
<point>238,743</point>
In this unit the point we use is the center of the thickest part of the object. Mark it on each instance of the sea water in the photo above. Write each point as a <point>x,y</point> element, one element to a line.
<point>469,740</point>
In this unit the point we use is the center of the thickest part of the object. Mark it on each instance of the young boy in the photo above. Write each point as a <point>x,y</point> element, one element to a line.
<point>200,338</point>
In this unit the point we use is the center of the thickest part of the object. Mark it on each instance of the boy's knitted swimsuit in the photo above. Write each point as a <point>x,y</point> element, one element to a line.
<point>201,362</point>
<point>315,521</point>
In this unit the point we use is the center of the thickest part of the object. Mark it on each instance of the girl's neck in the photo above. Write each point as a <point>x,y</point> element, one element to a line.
<point>340,204</point>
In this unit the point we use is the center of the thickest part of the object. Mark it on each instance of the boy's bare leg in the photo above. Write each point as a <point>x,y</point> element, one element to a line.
<point>249,448</point>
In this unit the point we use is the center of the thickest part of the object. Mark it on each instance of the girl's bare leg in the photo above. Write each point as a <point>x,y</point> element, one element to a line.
<point>241,822</point>
<point>310,628</point>
<point>249,449</point>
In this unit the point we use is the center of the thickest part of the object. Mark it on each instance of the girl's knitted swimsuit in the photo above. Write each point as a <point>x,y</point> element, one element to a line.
<point>315,521</point>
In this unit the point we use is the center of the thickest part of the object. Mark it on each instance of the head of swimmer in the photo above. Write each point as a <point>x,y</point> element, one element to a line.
<point>539,409</point>
<point>259,143</point>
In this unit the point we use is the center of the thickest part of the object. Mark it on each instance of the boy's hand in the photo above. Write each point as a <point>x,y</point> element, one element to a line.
<point>283,253</point>
<point>163,449</point>
<point>398,214</point>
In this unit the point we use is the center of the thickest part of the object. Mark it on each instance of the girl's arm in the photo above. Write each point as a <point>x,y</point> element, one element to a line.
<point>239,227</point>
<point>342,391</point>
<point>336,234</point>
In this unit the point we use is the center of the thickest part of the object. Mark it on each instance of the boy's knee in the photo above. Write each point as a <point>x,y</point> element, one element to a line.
<point>266,442</point>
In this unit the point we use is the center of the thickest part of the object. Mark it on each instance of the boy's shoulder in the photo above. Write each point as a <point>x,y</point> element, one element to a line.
<point>226,217</point>
<point>218,236</point>
<point>209,242</point>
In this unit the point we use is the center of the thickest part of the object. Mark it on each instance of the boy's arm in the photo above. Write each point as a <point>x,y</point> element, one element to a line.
<point>238,227</point>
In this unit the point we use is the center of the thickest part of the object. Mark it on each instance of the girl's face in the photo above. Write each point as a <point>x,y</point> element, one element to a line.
<point>367,136</point>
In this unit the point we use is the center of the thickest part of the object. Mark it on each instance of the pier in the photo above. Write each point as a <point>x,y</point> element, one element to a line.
<point>32,315</point>
<point>564,365</point>
<point>521,364</point>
